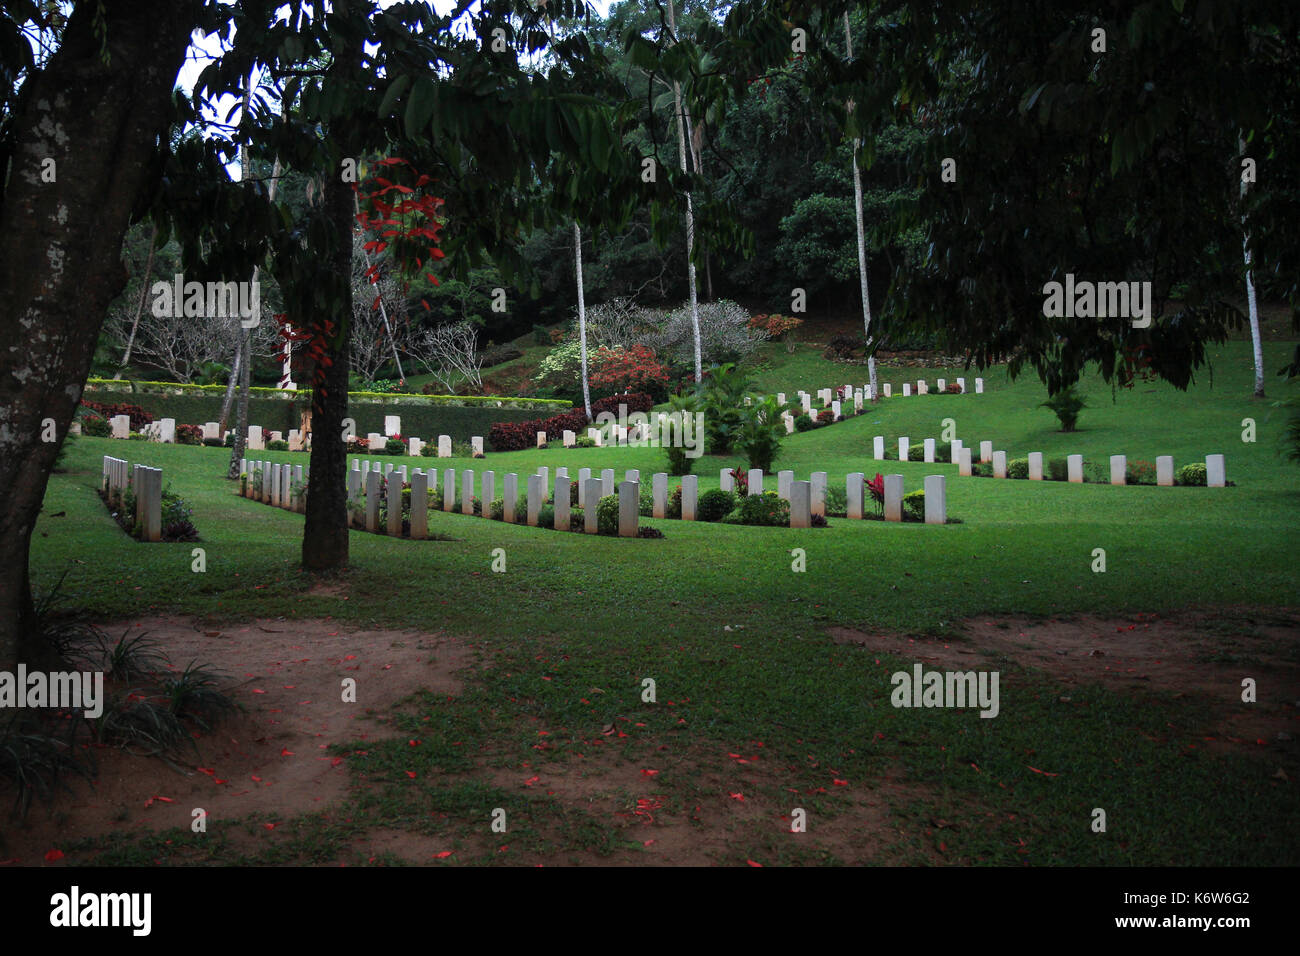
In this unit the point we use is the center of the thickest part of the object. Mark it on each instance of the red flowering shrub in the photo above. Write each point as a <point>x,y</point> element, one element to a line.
<point>632,368</point>
<point>516,436</point>
<point>139,417</point>
<point>742,481</point>
<point>189,435</point>
<point>774,326</point>
<point>877,488</point>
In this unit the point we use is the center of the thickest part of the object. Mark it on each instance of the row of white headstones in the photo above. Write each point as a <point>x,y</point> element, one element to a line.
<point>1215,465</point>
<point>836,399</point>
<point>279,484</point>
<point>119,475</point>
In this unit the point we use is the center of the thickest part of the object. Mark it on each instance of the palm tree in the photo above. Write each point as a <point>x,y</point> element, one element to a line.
<point>684,120</point>
<point>582,319</point>
<point>862,238</point>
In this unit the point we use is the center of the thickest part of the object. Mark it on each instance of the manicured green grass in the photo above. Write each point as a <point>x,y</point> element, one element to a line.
<point>591,611</point>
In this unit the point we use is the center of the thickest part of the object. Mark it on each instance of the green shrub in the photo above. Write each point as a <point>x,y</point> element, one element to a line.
<point>1066,404</point>
<point>584,441</point>
<point>916,452</point>
<point>394,446</point>
<point>914,505</point>
<point>429,450</point>
<point>679,463</point>
<point>714,505</point>
<point>760,433</point>
<point>837,502</point>
<point>277,444</point>
<point>803,423</point>
<point>607,515</point>
<point>674,509</point>
<point>1057,470</point>
<point>1192,474</point>
<point>546,516</point>
<point>95,427</point>
<point>766,509</point>
<point>577,520</point>
<point>497,510</point>
<point>1018,468</point>
<point>645,505</point>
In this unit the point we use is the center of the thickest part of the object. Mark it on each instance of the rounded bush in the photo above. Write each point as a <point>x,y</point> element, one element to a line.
<point>584,441</point>
<point>1191,474</point>
<point>714,505</point>
<point>916,453</point>
<point>278,444</point>
<point>914,505</point>
<point>607,515</point>
<point>546,516</point>
<point>497,509</point>
<point>767,509</point>
<point>803,423</point>
<point>96,427</point>
<point>1018,468</point>
<point>1057,470</point>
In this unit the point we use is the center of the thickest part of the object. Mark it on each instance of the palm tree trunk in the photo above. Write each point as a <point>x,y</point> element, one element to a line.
<point>690,208</point>
<point>862,240</point>
<point>582,319</point>
<point>1251,304</point>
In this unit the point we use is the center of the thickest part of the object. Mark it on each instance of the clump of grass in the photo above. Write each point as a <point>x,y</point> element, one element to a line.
<point>193,695</point>
<point>35,761</point>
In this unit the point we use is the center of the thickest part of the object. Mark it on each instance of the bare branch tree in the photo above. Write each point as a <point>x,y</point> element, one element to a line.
<point>449,352</point>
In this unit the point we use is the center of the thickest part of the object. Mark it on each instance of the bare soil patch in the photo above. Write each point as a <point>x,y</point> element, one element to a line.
<point>272,758</point>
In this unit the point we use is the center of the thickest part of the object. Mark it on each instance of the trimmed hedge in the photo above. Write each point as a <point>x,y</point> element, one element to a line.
<point>427,416</point>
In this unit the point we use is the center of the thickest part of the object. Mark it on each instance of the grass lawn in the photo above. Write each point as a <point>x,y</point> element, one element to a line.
<point>743,646</point>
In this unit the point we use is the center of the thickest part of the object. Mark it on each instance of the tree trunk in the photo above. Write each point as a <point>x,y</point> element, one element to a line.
<point>862,241</point>
<point>232,381</point>
<point>325,531</point>
<point>1251,304</point>
<point>682,122</point>
<point>61,246</point>
<point>139,309</point>
<point>241,415</point>
<point>582,319</point>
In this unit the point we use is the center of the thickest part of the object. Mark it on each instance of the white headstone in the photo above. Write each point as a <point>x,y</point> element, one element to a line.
<point>878,448</point>
<point>563,511</point>
<point>590,492</point>
<point>818,484</point>
<point>476,446</point>
<point>373,483</point>
<point>690,495</point>
<point>854,486</point>
<point>607,481</point>
<point>1035,466</point>
<point>889,391</point>
<point>536,492</point>
<point>629,508</point>
<point>584,475</point>
<point>415,446</point>
<point>659,491</point>
<point>487,491</point>
<point>632,474</point>
<point>963,463</point>
<point>375,442</point>
<point>725,481</point>
<point>904,448</point>
<point>936,499</point>
<point>986,452</point>
<point>907,389</point>
<point>999,464</point>
<point>801,504</point>
<point>1165,470</point>
<point>419,505</point>
<point>392,425</point>
<point>121,425</point>
<point>167,431</point>
<point>510,497</point>
<point>922,388</point>
<point>961,383</point>
<point>467,492</point>
<point>449,489</point>
<point>569,438</point>
<point>979,386</point>
<point>893,497</point>
<point>211,430</point>
<point>444,446</point>
<point>255,440</point>
<point>1118,469</point>
<point>954,450</point>
<point>928,446</point>
<point>1074,466</point>
<point>942,384</point>
<point>835,411</point>
<point>783,479</point>
<point>541,439</point>
<point>754,485</point>
<point>1216,471</point>
<point>393,487</point>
